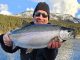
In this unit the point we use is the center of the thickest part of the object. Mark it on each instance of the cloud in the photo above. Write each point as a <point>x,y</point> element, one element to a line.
<point>78,16</point>
<point>5,13</point>
<point>28,9</point>
<point>64,6</point>
<point>4,9</point>
<point>38,0</point>
<point>78,5</point>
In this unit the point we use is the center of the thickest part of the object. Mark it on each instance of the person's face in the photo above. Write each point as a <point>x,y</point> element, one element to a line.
<point>40,17</point>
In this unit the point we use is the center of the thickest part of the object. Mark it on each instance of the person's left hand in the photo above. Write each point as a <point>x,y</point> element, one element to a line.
<point>55,43</point>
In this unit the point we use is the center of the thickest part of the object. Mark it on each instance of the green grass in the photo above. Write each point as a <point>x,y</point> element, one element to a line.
<point>8,23</point>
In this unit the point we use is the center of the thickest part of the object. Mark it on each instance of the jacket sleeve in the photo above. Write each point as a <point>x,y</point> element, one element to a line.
<point>8,49</point>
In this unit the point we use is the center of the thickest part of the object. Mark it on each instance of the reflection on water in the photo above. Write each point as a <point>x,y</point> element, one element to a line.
<point>8,56</point>
<point>70,50</point>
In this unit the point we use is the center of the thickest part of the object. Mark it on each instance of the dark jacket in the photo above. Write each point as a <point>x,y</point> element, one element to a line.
<point>36,54</point>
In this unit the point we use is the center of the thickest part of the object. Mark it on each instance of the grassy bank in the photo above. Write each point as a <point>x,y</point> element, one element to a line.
<point>8,23</point>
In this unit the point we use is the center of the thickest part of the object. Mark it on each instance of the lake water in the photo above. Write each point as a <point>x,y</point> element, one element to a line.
<point>70,50</point>
<point>8,56</point>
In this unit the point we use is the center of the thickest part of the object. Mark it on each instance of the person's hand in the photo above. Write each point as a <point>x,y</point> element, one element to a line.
<point>6,39</point>
<point>55,43</point>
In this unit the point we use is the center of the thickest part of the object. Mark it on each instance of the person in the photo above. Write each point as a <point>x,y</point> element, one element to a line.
<point>41,15</point>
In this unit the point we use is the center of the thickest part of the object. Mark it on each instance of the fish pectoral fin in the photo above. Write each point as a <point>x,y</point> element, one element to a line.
<point>29,50</point>
<point>63,41</point>
<point>56,38</point>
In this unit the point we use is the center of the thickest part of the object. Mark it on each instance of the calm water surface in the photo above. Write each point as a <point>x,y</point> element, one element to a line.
<point>70,50</point>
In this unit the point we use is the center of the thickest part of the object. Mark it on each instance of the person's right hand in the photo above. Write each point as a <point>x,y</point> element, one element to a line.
<point>6,39</point>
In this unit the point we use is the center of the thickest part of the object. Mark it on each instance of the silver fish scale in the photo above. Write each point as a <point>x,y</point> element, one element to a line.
<point>38,36</point>
<point>36,27</point>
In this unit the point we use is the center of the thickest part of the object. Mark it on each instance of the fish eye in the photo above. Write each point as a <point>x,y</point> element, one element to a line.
<point>69,30</point>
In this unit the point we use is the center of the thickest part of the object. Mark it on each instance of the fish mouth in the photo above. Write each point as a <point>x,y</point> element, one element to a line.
<point>71,32</point>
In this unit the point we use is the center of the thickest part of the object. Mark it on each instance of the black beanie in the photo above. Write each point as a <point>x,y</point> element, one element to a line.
<point>42,6</point>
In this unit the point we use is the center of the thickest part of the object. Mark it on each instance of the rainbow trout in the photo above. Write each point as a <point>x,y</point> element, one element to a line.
<point>39,35</point>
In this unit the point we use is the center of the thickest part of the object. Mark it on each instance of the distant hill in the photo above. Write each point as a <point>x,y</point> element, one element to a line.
<point>25,14</point>
<point>57,16</point>
<point>65,17</point>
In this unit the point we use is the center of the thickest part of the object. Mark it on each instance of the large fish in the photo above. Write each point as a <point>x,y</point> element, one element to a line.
<point>39,35</point>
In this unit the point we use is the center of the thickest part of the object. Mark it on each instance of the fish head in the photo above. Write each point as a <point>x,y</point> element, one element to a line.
<point>67,33</point>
